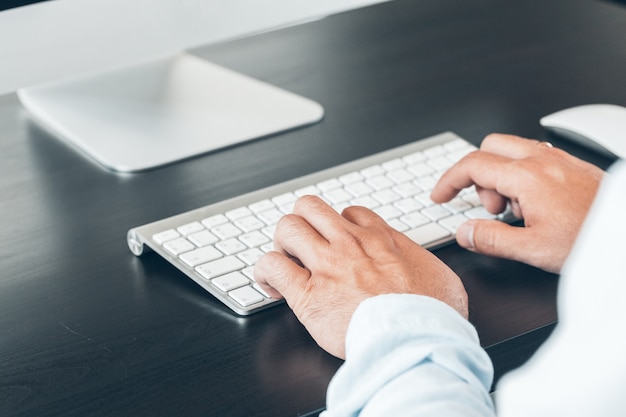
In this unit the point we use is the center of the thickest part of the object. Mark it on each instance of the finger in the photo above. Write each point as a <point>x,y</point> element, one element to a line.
<point>294,236</point>
<point>483,169</point>
<point>362,216</point>
<point>279,276</point>
<point>511,146</point>
<point>495,238</point>
<point>322,217</point>
<point>491,200</point>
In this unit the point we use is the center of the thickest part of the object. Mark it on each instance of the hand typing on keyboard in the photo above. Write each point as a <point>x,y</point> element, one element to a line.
<point>342,259</point>
<point>547,187</point>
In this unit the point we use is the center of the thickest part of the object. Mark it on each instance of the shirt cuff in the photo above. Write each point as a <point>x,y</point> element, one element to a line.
<point>416,344</point>
<point>389,314</point>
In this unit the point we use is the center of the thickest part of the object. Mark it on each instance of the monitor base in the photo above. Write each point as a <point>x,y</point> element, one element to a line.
<point>141,117</point>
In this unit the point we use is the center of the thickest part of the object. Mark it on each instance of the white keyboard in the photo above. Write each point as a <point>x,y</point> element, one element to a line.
<point>218,245</point>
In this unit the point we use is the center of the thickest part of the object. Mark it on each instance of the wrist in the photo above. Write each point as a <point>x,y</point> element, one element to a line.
<point>404,315</point>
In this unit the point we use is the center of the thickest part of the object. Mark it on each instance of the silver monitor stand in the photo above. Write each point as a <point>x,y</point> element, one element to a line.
<point>140,117</point>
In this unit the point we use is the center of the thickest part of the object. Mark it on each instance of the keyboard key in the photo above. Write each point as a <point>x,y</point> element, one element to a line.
<point>434,151</point>
<point>200,256</point>
<point>238,213</point>
<point>254,239</point>
<point>251,256</point>
<point>288,207</point>
<point>166,235</point>
<point>308,190</point>
<point>178,246</point>
<point>472,198</point>
<point>351,178</point>
<point>373,171</point>
<point>259,289</point>
<point>379,182</point>
<point>400,176</point>
<point>458,155</point>
<point>246,296</point>
<point>421,169</point>
<point>338,195</point>
<point>414,158</point>
<point>249,223</point>
<point>385,196</point>
<point>231,246</point>
<point>284,199</point>
<point>424,199</point>
<point>230,281</point>
<point>213,221</point>
<point>457,205</point>
<point>339,208</point>
<point>479,213</point>
<point>269,231</point>
<point>414,219</point>
<point>426,183</point>
<point>408,189</point>
<point>408,205</point>
<point>226,231</point>
<point>427,234</point>
<point>398,225</point>
<point>270,217</point>
<point>261,206</point>
<point>393,164</point>
<point>358,189</point>
<point>220,267</point>
<point>388,212</point>
<point>365,201</point>
<point>453,222</point>
<point>248,272</point>
<point>203,238</point>
<point>436,212</point>
<point>329,185</point>
<point>440,164</point>
<point>189,228</point>
<point>455,145</point>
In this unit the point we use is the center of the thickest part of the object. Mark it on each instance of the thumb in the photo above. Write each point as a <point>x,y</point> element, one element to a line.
<point>495,238</point>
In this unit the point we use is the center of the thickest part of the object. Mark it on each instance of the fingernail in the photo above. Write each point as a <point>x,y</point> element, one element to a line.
<point>465,235</point>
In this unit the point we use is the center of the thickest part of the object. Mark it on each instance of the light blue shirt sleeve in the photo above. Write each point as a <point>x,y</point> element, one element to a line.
<point>411,355</point>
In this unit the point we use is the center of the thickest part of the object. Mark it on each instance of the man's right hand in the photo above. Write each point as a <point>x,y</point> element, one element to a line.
<point>547,187</point>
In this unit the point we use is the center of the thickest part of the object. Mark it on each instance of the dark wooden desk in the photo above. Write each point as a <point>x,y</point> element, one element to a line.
<point>88,329</point>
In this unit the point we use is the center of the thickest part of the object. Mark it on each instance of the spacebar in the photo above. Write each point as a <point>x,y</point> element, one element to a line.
<point>427,234</point>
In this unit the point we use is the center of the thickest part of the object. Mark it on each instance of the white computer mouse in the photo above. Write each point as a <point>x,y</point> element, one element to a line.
<point>601,127</point>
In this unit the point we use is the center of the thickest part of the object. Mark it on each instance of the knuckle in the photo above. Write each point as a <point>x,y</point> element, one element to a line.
<point>486,239</point>
<point>535,170</point>
<point>476,154</point>
<point>351,210</point>
<point>270,274</point>
<point>489,138</point>
<point>287,221</point>
<point>305,202</point>
<point>267,264</point>
<point>287,227</point>
<point>361,214</point>
<point>290,228</point>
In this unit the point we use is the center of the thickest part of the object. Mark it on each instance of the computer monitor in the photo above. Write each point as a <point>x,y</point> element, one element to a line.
<point>113,78</point>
